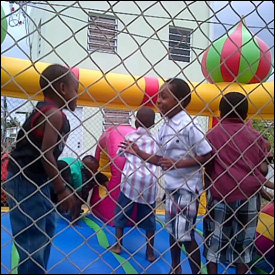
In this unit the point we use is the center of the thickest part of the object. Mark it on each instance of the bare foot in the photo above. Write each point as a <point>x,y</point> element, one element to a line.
<point>116,249</point>
<point>76,224</point>
<point>150,256</point>
<point>176,271</point>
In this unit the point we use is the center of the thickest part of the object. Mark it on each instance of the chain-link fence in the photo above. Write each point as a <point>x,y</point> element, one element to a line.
<point>192,195</point>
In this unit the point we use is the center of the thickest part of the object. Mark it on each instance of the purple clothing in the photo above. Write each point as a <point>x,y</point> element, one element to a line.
<point>235,171</point>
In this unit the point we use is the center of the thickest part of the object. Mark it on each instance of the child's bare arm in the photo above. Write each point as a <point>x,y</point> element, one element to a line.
<point>132,148</point>
<point>52,129</point>
<point>269,184</point>
<point>101,179</point>
<point>266,195</point>
<point>168,163</point>
<point>76,211</point>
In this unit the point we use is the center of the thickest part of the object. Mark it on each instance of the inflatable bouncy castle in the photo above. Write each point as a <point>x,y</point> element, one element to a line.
<point>236,62</point>
<point>103,202</point>
<point>265,231</point>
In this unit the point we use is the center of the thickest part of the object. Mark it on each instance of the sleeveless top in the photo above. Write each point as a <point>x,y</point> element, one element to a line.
<point>4,166</point>
<point>27,153</point>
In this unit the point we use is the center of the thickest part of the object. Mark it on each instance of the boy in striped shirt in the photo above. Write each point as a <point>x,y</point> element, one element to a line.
<point>138,185</point>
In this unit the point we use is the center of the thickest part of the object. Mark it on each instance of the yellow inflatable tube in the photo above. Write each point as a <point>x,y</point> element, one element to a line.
<point>20,78</point>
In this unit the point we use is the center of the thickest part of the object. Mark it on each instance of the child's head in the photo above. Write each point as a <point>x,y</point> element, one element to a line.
<point>60,85</point>
<point>65,170</point>
<point>174,96</point>
<point>91,164</point>
<point>234,105</point>
<point>145,118</point>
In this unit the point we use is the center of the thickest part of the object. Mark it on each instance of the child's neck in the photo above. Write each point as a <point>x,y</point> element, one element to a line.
<point>54,101</point>
<point>174,112</point>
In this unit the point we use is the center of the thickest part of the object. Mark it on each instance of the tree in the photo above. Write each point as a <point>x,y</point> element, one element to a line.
<point>13,122</point>
<point>266,128</point>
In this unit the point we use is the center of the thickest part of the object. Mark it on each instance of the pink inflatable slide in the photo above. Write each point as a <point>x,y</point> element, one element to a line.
<point>111,165</point>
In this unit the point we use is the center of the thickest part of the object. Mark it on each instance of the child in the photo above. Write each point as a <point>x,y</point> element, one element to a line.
<point>184,151</point>
<point>138,185</point>
<point>84,176</point>
<point>235,180</point>
<point>33,167</point>
<point>265,171</point>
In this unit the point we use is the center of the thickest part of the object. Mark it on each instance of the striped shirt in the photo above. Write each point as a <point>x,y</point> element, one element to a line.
<point>181,138</point>
<point>139,178</point>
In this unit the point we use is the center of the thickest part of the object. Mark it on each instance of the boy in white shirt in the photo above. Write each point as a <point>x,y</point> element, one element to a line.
<point>183,151</point>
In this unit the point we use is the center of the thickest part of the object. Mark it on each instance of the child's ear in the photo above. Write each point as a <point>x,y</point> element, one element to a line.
<point>62,88</point>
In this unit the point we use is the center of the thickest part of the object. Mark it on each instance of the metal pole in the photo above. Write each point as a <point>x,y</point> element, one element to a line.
<point>5,118</point>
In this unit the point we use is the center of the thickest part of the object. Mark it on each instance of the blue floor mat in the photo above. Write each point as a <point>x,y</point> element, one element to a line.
<point>83,249</point>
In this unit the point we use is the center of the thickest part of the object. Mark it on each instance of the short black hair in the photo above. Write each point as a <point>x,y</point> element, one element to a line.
<point>234,105</point>
<point>181,90</point>
<point>92,158</point>
<point>145,117</point>
<point>52,76</point>
<point>65,170</point>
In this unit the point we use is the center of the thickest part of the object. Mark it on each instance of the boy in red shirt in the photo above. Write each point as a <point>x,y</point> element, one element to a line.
<point>234,182</point>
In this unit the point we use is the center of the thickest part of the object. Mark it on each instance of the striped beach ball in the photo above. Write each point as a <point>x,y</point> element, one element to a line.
<point>238,56</point>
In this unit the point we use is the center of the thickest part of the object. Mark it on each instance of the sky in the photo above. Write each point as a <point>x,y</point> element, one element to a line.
<point>258,16</point>
<point>226,12</point>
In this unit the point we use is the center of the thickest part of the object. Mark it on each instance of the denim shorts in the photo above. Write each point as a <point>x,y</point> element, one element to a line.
<point>145,217</point>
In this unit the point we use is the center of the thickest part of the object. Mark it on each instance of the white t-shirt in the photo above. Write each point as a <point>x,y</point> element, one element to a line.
<point>181,138</point>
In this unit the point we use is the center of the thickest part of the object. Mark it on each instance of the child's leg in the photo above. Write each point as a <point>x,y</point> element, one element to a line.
<point>212,268</point>
<point>33,224</point>
<point>180,216</point>
<point>244,224</point>
<point>242,269</point>
<point>124,209</point>
<point>117,247</point>
<point>150,255</point>
<point>194,256</point>
<point>147,221</point>
<point>175,249</point>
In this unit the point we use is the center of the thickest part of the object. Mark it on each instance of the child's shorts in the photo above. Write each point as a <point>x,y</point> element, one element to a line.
<point>230,230</point>
<point>145,214</point>
<point>181,213</point>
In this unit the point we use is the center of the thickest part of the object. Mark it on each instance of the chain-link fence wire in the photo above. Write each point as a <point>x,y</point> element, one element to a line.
<point>159,39</point>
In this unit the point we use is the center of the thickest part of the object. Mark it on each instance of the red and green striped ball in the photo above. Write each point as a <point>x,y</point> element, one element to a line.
<point>238,56</point>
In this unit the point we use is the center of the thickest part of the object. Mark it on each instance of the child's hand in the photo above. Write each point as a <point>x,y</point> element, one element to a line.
<point>167,163</point>
<point>75,223</point>
<point>130,147</point>
<point>67,200</point>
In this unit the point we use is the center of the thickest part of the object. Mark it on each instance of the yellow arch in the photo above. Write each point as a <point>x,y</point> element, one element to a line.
<point>20,78</point>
